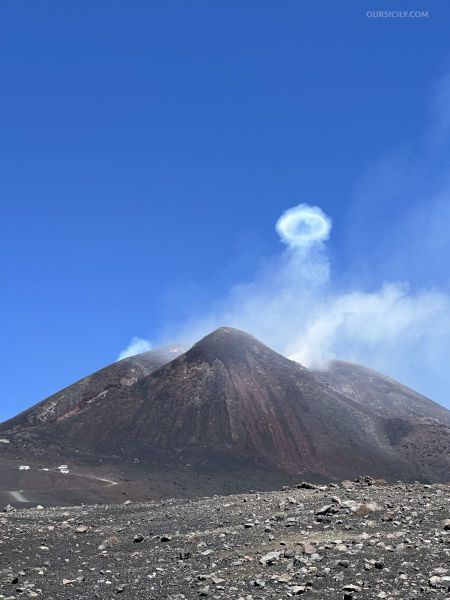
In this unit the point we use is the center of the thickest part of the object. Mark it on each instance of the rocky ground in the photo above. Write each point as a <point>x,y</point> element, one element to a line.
<point>361,539</point>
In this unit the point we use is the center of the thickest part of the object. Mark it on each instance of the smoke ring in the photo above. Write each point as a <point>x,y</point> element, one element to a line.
<point>303,226</point>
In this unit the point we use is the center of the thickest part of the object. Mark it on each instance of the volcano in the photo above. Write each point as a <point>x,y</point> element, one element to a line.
<point>229,405</point>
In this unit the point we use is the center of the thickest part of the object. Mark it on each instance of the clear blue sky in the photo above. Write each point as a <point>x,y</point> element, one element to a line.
<point>147,149</point>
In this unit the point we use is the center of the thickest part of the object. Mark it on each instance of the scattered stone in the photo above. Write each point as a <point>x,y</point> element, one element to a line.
<point>349,552</point>
<point>324,510</point>
<point>270,558</point>
<point>109,542</point>
<point>81,529</point>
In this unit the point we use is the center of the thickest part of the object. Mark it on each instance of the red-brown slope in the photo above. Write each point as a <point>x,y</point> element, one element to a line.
<point>231,396</point>
<point>232,400</point>
<point>118,376</point>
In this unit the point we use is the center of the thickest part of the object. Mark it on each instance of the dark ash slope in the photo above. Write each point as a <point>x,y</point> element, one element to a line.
<point>231,400</point>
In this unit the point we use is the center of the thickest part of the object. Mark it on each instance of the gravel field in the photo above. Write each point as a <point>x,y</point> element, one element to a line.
<point>361,539</point>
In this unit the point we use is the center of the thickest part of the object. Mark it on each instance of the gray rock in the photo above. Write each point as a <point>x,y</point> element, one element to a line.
<point>270,558</point>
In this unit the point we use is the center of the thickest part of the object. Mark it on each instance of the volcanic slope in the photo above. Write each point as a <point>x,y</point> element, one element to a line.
<point>75,398</point>
<point>382,394</point>
<point>231,400</point>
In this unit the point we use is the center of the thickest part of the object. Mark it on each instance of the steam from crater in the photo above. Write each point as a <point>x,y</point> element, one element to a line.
<point>303,226</point>
<point>366,310</point>
<point>294,305</point>
<point>136,346</point>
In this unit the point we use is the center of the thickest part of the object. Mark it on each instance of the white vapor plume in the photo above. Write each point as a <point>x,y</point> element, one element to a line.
<point>293,306</point>
<point>389,307</point>
<point>137,345</point>
<point>373,327</point>
<point>303,226</point>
